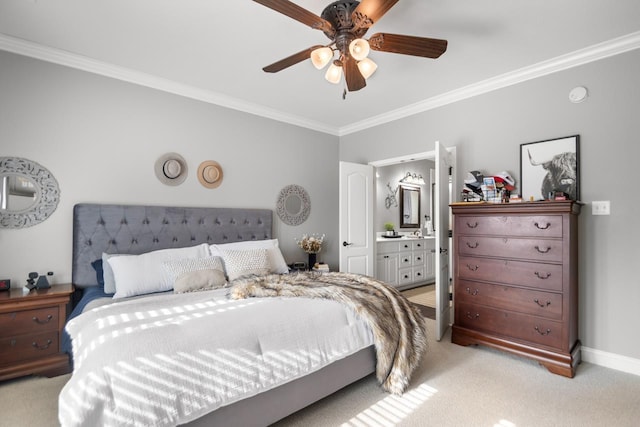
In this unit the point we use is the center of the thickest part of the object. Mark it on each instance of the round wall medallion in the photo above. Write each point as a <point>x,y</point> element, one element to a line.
<point>294,205</point>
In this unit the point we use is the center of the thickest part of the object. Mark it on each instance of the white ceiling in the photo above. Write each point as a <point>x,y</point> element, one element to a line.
<point>214,50</point>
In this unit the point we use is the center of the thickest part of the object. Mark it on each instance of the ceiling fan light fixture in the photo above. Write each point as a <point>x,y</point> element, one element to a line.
<point>367,67</point>
<point>321,57</point>
<point>334,73</point>
<point>359,49</point>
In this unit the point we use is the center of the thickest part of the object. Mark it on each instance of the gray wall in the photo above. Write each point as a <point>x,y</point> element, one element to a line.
<point>101,137</point>
<point>488,130</point>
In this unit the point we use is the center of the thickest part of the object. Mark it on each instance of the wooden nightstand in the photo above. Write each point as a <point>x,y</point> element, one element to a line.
<point>31,325</point>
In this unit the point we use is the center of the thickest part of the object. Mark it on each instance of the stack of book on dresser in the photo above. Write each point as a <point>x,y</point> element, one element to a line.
<point>320,266</point>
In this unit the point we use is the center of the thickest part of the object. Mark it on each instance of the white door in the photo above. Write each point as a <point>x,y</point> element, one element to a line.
<point>443,308</point>
<point>356,219</point>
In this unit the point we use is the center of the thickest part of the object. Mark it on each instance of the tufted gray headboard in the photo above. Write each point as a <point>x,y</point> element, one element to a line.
<point>128,229</point>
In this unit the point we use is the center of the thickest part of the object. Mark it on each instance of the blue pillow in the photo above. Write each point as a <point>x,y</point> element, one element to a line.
<point>97,266</point>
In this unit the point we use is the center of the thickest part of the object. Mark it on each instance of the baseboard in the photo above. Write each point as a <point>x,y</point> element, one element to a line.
<point>611,360</point>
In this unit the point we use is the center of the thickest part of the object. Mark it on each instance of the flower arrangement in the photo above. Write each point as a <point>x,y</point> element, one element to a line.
<point>311,243</point>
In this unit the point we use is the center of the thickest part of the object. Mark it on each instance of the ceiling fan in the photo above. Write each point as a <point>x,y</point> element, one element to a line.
<point>345,23</point>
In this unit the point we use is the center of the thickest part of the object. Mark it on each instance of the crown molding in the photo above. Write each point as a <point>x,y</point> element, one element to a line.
<point>72,60</point>
<point>583,56</point>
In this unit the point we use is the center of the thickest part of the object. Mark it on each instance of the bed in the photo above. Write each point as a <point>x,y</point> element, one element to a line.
<point>163,339</point>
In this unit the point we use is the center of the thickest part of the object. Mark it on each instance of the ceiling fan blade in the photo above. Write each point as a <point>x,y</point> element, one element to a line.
<point>298,13</point>
<point>290,60</point>
<point>355,80</point>
<point>369,11</point>
<point>408,45</point>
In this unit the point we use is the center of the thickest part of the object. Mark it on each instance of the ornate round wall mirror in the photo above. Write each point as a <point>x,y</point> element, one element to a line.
<point>293,205</point>
<point>29,193</point>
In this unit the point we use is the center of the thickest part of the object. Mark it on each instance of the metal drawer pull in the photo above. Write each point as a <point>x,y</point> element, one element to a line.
<point>474,293</point>
<point>42,322</point>
<point>43,347</point>
<point>475,224</point>
<point>541,276</point>
<point>470,316</point>
<point>542,228</point>
<point>542,305</point>
<point>543,251</point>
<point>475,245</point>
<point>542,333</point>
<point>472,267</point>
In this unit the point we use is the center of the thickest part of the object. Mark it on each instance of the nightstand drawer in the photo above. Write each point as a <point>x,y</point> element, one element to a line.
<point>28,321</point>
<point>23,347</point>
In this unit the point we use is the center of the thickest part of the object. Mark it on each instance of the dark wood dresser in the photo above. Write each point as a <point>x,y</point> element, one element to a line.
<point>31,325</point>
<point>516,280</point>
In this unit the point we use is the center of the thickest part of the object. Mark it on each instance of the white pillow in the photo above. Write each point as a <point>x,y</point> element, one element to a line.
<point>196,274</point>
<point>199,280</point>
<point>276,261</point>
<point>107,273</point>
<point>143,274</point>
<point>240,263</point>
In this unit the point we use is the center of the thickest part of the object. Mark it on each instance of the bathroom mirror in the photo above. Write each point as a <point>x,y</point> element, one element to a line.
<point>409,207</point>
<point>293,205</point>
<point>29,193</point>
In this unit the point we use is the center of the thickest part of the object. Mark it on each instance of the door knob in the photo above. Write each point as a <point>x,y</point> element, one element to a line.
<point>444,250</point>
<point>346,244</point>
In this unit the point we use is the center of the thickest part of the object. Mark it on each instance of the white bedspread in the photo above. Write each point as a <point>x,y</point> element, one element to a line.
<point>169,359</point>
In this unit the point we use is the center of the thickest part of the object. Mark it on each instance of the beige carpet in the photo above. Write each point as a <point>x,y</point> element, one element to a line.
<point>423,295</point>
<point>455,386</point>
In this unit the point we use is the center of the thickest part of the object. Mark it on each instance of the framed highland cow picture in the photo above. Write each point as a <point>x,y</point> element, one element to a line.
<point>550,169</point>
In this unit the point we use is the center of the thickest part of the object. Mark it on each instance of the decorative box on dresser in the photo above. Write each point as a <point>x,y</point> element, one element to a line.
<point>31,325</point>
<point>516,280</point>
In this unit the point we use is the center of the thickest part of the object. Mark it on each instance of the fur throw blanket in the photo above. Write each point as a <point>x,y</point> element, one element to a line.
<point>399,329</point>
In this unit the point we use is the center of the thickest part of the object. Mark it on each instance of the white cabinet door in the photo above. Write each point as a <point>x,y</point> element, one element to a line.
<point>387,268</point>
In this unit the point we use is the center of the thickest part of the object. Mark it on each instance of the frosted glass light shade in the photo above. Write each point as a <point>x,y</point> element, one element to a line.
<point>359,49</point>
<point>334,73</point>
<point>321,57</point>
<point>367,67</point>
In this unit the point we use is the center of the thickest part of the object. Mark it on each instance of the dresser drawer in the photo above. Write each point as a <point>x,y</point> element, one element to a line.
<point>502,247</point>
<point>22,347</point>
<point>533,274</point>
<point>27,321</point>
<point>539,303</point>
<point>517,225</point>
<point>411,275</point>
<point>518,326</point>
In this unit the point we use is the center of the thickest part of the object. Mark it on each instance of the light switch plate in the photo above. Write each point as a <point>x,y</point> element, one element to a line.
<point>600,208</point>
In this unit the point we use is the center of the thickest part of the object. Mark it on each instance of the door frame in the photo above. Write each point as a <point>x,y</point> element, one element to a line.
<point>425,155</point>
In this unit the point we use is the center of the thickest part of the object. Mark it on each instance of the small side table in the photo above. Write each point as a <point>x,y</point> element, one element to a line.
<point>31,325</point>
